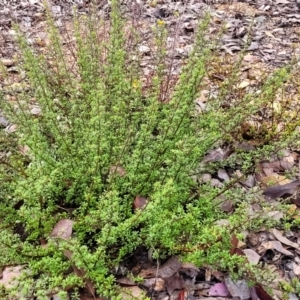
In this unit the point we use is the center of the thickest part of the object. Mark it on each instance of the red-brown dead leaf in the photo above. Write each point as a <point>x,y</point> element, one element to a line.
<point>234,243</point>
<point>140,202</point>
<point>43,242</point>
<point>173,283</point>
<point>181,295</point>
<point>261,293</point>
<point>283,239</point>
<point>88,283</point>
<point>81,273</point>
<point>239,252</point>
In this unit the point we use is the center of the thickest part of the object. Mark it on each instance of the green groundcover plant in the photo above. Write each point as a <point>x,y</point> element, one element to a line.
<point>115,156</point>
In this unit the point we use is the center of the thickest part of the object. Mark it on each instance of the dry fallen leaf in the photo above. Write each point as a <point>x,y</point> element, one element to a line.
<point>252,256</point>
<point>276,215</point>
<point>175,282</point>
<point>278,191</point>
<point>125,281</point>
<point>218,289</point>
<point>169,268</point>
<point>81,273</point>
<point>140,202</point>
<point>238,288</point>
<point>296,268</point>
<point>283,239</point>
<point>234,244</point>
<point>9,274</point>
<point>276,245</point>
<point>261,293</point>
<point>63,229</point>
<point>66,234</point>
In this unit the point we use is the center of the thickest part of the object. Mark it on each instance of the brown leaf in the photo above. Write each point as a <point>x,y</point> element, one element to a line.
<point>238,251</point>
<point>276,215</point>
<point>234,243</point>
<point>88,283</point>
<point>283,239</point>
<point>275,245</point>
<point>43,242</point>
<point>125,281</point>
<point>278,191</point>
<point>140,202</point>
<point>237,288</point>
<point>81,273</point>
<point>252,256</point>
<point>63,229</point>
<point>181,295</point>
<point>169,268</point>
<point>261,293</point>
<point>296,268</point>
<point>175,282</point>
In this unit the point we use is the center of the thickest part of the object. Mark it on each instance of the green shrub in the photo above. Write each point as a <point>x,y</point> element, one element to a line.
<point>105,137</point>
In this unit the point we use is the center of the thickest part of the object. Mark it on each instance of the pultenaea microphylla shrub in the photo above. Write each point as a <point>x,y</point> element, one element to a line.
<point>104,138</point>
